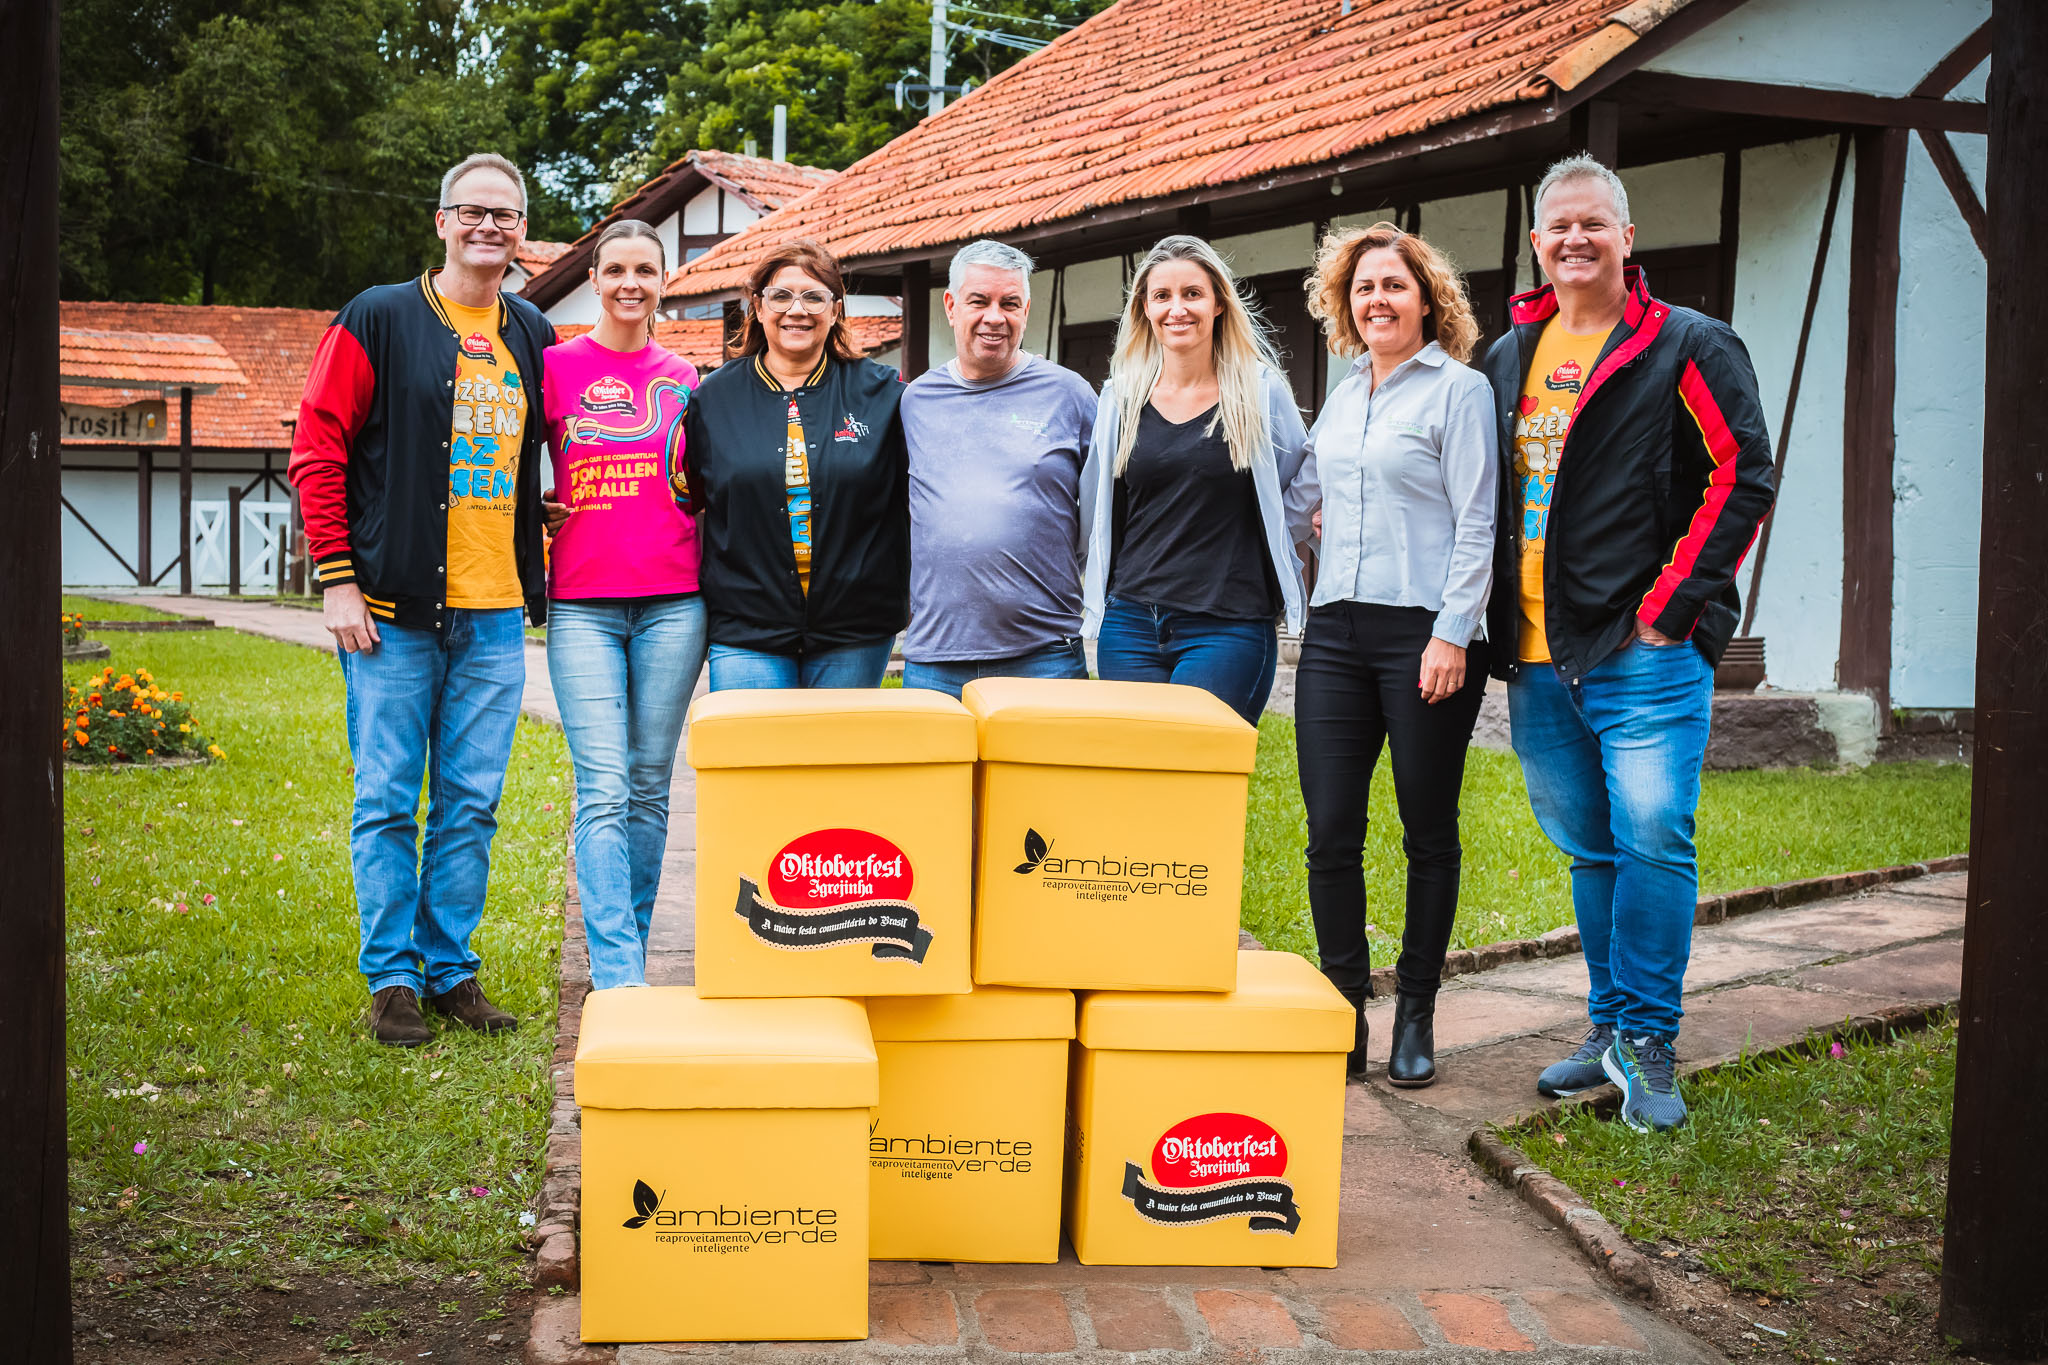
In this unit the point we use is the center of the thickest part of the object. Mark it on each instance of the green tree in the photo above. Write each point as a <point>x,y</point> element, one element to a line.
<point>835,65</point>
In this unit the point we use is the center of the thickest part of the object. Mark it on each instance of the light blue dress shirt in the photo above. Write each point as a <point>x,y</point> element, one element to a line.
<point>1409,484</point>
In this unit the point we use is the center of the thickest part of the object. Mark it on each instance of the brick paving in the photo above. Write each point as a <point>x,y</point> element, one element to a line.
<point>1437,1260</point>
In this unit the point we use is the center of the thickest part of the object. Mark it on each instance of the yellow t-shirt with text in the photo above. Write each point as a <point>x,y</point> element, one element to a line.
<point>483,463</point>
<point>1550,398</point>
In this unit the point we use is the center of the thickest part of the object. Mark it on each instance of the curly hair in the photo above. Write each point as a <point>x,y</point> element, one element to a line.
<point>1448,321</point>
<point>822,266</point>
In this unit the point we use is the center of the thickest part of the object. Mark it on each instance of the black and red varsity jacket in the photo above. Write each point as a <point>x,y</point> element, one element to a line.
<point>370,453</point>
<point>1663,480</point>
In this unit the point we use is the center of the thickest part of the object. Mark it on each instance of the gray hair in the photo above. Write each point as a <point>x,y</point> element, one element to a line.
<point>1583,167</point>
<point>480,161</point>
<point>989,252</point>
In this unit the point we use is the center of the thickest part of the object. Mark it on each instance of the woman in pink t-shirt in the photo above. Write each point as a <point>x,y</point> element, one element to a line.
<point>625,623</point>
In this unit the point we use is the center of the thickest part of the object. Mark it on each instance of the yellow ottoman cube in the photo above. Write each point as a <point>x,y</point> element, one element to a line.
<point>725,1173</point>
<point>965,1145</point>
<point>834,838</point>
<point>1209,1129</point>
<point>1110,834</point>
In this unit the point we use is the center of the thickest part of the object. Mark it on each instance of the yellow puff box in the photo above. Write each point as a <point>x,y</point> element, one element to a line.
<point>834,832</point>
<point>1110,834</point>
<point>725,1173</point>
<point>1209,1129</point>
<point>965,1146</point>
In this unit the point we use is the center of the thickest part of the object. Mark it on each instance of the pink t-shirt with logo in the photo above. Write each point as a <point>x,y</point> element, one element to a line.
<point>615,428</point>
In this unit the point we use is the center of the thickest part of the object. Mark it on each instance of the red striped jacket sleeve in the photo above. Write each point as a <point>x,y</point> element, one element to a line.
<point>337,399</point>
<point>1717,396</point>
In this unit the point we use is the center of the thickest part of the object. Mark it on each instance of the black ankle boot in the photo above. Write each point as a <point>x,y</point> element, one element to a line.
<point>1354,1065</point>
<point>1412,1064</point>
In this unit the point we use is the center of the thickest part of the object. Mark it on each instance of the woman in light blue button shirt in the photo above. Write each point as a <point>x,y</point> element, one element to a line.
<point>1404,451</point>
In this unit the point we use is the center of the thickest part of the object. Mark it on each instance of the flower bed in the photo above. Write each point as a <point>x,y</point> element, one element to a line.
<point>74,630</point>
<point>130,719</point>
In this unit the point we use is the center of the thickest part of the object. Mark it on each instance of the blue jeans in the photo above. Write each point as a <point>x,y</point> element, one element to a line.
<point>444,703</point>
<point>1067,659</point>
<point>1234,660</point>
<point>623,674</point>
<point>1613,768</point>
<point>847,666</point>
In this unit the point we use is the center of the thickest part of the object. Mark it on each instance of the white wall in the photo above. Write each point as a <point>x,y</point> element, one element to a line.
<point>1675,203</point>
<point>1784,194</point>
<point>1880,47</point>
<point>700,214</point>
<point>1937,472</point>
<point>578,305</point>
<point>107,500</point>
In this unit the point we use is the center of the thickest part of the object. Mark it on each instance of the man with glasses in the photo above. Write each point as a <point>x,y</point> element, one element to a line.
<point>997,439</point>
<point>417,459</point>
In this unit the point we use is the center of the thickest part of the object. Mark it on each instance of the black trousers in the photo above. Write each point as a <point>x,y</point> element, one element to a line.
<point>1356,689</point>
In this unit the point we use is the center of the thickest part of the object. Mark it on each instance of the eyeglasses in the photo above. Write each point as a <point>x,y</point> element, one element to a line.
<point>469,215</point>
<point>780,300</point>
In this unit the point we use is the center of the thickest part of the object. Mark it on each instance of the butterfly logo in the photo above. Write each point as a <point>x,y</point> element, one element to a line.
<point>1035,849</point>
<point>645,1202</point>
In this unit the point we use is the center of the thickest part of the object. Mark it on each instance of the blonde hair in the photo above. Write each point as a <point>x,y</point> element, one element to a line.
<point>1449,321</point>
<point>1240,351</point>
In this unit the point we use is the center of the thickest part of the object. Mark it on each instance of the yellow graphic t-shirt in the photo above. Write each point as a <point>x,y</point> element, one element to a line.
<point>796,479</point>
<point>483,463</point>
<point>1550,396</point>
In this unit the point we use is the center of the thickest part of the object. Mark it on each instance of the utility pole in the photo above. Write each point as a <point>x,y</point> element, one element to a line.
<point>35,1247</point>
<point>1991,1296</point>
<point>937,74</point>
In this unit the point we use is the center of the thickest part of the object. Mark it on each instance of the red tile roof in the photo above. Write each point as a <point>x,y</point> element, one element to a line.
<point>765,185</point>
<point>534,257</point>
<point>272,348</point>
<point>122,359</point>
<point>699,340</point>
<point>1154,97</point>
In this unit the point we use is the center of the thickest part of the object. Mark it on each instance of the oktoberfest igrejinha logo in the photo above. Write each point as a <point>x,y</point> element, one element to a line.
<point>477,346</point>
<point>1213,1167</point>
<point>836,886</point>
<point>608,394</point>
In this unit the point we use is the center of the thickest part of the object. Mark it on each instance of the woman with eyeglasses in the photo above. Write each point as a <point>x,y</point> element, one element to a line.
<point>799,481</point>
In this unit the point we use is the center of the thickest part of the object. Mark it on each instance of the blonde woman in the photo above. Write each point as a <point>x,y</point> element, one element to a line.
<point>1192,496</point>
<point>1404,456</point>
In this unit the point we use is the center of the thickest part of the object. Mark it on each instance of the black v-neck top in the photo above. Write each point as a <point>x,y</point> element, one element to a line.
<point>1186,527</point>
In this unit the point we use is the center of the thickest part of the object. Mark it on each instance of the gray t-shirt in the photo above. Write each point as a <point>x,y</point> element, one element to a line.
<point>995,512</point>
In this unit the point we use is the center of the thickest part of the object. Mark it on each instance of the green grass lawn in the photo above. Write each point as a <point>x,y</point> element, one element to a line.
<point>1754,828</point>
<point>1818,1179</point>
<point>227,1110</point>
<point>93,609</point>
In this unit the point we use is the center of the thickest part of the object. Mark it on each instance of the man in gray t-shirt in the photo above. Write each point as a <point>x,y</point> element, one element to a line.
<point>997,439</point>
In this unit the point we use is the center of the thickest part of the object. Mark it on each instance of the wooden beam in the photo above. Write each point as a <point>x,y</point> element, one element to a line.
<point>145,495</point>
<point>1731,227</point>
<point>1943,153</point>
<point>1653,89</point>
<point>917,318</point>
<point>35,1239</point>
<point>185,491</point>
<point>1193,219</point>
<point>1596,131</point>
<point>1991,1299</point>
<point>1868,434</point>
<point>1948,73</point>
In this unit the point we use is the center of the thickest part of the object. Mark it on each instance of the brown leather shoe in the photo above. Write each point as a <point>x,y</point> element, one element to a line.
<point>466,1004</point>
<point>395,1018</point>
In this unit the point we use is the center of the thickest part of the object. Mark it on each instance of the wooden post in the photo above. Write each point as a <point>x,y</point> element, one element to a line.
<point>1510,257</point>
<point>35,1236</point>
<point>185,491</point>
<point>917,318</point>
<point>1731,226</point>
<point>1868,434</point>
<point>1193,219</point>
<point>234,542</point>
<point>1596,131</point>
<point>1991,1298</point>
<point>145,495</point>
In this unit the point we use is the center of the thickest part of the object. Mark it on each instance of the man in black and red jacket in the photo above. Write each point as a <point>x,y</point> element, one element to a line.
<point>1635,472</point>
<point>417,459</point>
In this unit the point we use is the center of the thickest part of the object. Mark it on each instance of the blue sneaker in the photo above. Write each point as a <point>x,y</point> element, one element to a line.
<point>1646,1069</point>
<point>1581,1070</point>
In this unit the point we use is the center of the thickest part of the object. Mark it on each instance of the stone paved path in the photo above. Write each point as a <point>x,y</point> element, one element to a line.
<point>1437,1261</point>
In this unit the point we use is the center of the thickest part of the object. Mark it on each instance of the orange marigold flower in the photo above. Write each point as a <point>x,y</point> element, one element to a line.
<point>177,696</point>
<point>81,738</point>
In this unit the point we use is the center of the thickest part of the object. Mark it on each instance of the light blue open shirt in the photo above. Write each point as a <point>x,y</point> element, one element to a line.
<point>1281,477</point>
<point>1409,490</point>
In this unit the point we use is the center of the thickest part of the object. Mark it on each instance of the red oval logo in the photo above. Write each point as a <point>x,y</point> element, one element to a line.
<point>1218,1147</point>
<point>837,867</point>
